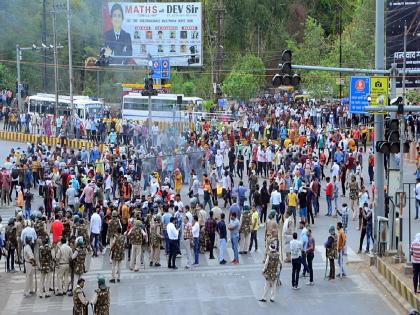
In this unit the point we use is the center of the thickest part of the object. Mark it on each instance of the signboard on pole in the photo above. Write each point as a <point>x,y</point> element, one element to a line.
<point>157,69</point>
<point>139,29</point>
<point>379,89</point>
<point>359,92</point>
<point>161,69</point>
<point>166,69</point>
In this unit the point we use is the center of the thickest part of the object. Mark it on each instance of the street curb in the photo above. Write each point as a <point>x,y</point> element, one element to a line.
<point>405,293</point>
<point>25,138</point>
<point>383,281</point>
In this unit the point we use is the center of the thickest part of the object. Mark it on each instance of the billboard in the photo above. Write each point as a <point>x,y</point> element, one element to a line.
<point>135,31</point>
<point>398,13</point>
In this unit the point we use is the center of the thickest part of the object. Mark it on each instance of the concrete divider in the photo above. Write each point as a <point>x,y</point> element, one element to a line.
<point>399,285</point>
<point>49,141</point>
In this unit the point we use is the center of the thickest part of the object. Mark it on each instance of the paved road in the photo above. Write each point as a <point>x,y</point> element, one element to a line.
<point>215,289</point>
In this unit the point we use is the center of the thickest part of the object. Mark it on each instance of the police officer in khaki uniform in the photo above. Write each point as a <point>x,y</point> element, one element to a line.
<point>117,255</point>
<point>136,236</point>
<point>30,265</point>
<point>270,273</point>
<point>80,303</point>
<point>78,257</point>
<point>101,299</point>
<point>271,232</point>
<point>41,233</point>
<point>245,229</point>
<point>113,226</point>
<point>62,256</point>
<point>156,237</point>
<point>45,268</point>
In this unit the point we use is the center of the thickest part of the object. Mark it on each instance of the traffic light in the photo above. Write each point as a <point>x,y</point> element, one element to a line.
<point>392,139</point>
<point>286,75</point>
<point>392,135</point>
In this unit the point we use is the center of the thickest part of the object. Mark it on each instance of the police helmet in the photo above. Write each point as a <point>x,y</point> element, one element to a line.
<point>79,241</point>
<point>101,282</point>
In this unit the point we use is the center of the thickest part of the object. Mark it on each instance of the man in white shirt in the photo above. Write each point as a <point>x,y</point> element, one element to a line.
<point>196,238</point>
<point>335,170</point>
<point>95,230</point>
<point>173,242</point>
<point>178,202</point>
<point>296,253</point>
<point>417,198</point>
<point>276,201</point>
<point>155,133</point>
<point>71,196</point>
<point>219,164</point>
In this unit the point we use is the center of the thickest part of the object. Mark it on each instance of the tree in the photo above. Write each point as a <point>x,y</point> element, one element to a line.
<point>188,88</point>
<point>246,78</point>
<point>7,80</point>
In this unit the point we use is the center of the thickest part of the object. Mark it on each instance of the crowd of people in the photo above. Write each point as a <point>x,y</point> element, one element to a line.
<point>267,169</point>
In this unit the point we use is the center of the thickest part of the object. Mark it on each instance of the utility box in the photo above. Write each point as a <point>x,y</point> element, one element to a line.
<point>382,232</point>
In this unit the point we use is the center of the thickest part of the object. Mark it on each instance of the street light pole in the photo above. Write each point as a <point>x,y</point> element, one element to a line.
<point>70,64</point>
<point>55,61</point>
<point>402,120</point>
<point>18,56</point>
<point>149,98</point>
<point>379,121</point>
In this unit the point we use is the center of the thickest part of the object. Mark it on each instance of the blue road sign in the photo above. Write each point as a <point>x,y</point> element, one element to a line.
<point>157,68</point>
<point>166,68</point>
<point>359,92</point>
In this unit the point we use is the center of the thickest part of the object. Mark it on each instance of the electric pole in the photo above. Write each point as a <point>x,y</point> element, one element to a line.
<point>55,59</point>
<point>44,40</point>
<point>340,93</point>
<point>379,120</point>
<point>219,11</point>
<point>70,63</point>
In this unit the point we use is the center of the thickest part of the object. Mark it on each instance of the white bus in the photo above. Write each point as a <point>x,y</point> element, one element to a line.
<point>136,107</point>
<point>84,106</point>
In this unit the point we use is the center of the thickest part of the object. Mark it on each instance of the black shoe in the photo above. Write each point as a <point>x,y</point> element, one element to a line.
<point>118,280</point>
<point>112,280</point>
<point>175,267</point>
<point>157,265</point>
<point>151,264</point>
<point>262,300</point>
<point>271,300</point>
<point>211,257</point>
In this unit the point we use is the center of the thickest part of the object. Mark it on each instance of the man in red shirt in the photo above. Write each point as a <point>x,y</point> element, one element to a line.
<point>329,189</point>
<point>57,228</point>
